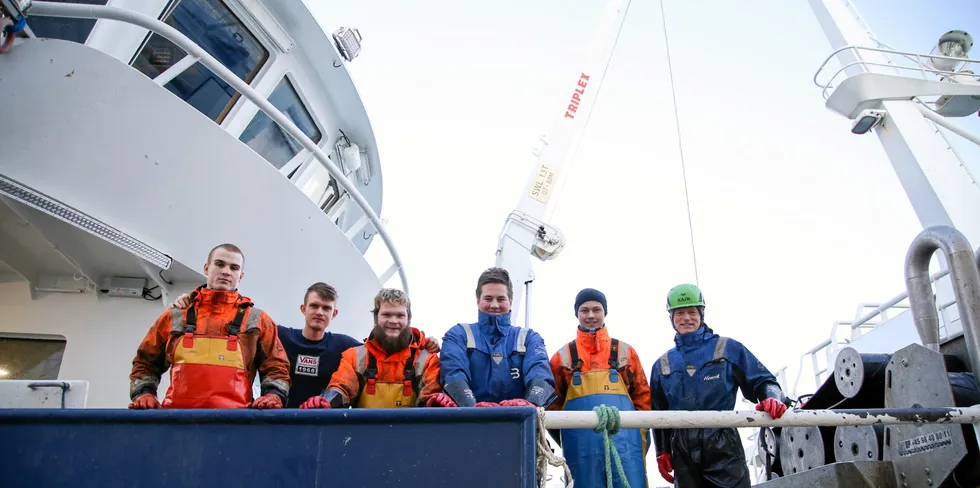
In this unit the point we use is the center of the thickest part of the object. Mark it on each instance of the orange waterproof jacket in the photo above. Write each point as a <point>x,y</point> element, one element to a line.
<point>593,350</point>
<point>258,342</point>
<point>389,388</point>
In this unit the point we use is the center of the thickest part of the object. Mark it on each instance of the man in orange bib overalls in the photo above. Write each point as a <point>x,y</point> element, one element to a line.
<point>213,348</point>
<point>592,370</point>
<point>392,369</point>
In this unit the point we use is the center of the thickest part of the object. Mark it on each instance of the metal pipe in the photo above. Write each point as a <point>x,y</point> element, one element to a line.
<point>751,418</point>
<point>527,304</point>
<point>954,128</point>
<point>792,418</point>
<point>966,286</point>
<point>79,11</point>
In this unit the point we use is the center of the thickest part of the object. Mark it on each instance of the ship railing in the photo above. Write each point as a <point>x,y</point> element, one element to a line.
<point>899,62</point>
<point>196,54</point>
<point>862,324</point>
<point>711,419</point>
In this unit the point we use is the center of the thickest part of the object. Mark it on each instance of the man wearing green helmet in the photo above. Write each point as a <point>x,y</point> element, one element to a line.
<point>702,372</point>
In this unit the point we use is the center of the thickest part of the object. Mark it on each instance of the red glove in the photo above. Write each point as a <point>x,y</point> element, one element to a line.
<point>315,402</point>
<point>517,402</point>
<point>486,404</point>
<point>269,400</point>
<point>773,407</point>
<point>441,400</point>
<point>663,463</point>
<point>145,401</point>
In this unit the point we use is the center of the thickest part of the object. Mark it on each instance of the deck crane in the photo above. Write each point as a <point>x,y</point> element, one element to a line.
<point>526,231</point>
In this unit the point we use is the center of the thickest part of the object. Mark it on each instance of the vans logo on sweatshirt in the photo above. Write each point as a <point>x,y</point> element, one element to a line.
<point>307,365</point>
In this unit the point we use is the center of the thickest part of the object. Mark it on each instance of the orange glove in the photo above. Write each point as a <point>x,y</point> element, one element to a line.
<point>663,463</point>
<point>269,400</point>
<point>486,404</point>
<point>315,402</point>
<point>441,400</point>
<point>517,402</point>
<point>145,401</point>
<point>773,407</point>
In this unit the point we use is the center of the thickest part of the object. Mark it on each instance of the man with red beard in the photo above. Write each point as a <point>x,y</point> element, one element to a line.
<point>392,369</point>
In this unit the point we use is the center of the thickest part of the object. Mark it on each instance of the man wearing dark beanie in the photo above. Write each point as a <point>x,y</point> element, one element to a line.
<point>592,370</point>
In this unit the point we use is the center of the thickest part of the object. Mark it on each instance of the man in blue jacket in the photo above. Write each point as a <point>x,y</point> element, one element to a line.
<point>702,373</point>
<point>491,362</point>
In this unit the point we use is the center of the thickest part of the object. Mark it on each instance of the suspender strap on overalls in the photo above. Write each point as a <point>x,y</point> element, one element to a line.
<point>614,361</point>
<point>577,363</point>
<point>371,373</point>
<point>233,328</point>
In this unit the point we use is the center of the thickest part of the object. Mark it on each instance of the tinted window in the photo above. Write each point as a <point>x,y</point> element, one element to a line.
<point>24,358</point>
<point>211,25</point>
<point>319,186</point>
<point>76,30</point>
<point>265,136</point>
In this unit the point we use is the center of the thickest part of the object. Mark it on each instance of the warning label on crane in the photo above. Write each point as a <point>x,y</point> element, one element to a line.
<point>544,183</point>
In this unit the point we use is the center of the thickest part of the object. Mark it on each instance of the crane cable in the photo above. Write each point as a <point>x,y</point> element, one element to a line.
<point>680,146</point>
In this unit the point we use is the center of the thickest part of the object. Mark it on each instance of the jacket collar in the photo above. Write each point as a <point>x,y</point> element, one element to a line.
<point>693,339</point>
<point>207,296</point>
<point>493,324</point>
<point>595,341</point>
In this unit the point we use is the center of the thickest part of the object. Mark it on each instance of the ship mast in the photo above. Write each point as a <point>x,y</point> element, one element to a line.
<point>902,102</point>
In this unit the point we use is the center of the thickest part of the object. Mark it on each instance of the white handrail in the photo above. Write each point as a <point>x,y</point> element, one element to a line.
<point>706,419</point>
<point>857,50</point>
<point>863,320</point>
<point>78,11</point>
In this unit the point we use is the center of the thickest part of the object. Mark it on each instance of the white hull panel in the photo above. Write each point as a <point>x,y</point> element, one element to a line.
<point>102,138</point>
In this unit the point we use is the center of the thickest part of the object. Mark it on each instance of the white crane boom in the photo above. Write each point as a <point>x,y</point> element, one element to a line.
<point>525,232</point>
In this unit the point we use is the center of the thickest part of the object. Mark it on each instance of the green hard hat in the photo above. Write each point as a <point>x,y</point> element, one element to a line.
<point>685,295</point>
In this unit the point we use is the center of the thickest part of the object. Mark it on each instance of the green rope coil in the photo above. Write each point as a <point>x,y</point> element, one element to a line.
<point>608,426</point>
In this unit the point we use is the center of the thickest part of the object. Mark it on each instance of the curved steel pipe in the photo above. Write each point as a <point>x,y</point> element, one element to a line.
<point>966,286</point>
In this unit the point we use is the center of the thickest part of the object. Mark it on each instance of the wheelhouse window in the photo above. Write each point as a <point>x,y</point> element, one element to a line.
<point>317,184</point>
<point>30,357</point>
<point>265,136</point>
<point>75,30</point>
<point>211,25</point>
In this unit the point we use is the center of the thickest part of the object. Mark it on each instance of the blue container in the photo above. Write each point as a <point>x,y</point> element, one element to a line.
<point>472,447</point>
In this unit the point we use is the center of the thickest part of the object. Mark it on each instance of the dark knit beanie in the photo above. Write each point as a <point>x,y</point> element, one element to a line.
<point>590,295</point>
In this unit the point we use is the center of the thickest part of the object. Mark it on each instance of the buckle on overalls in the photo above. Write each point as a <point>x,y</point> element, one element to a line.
<point>232,343</point>
<point>370,389</point>
<point>188,340</point>
<point>407,390</point>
